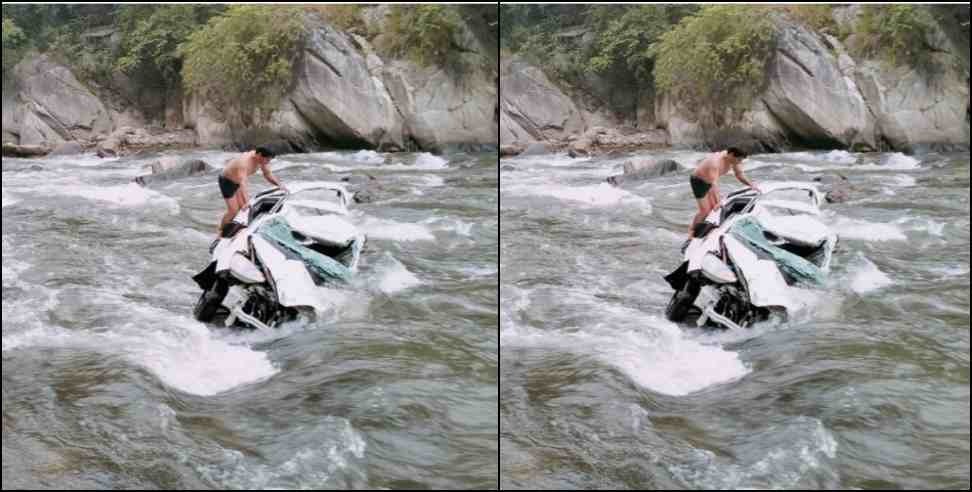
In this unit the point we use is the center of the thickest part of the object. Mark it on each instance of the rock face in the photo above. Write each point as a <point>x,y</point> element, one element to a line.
<point>127,140</point>
<point>344,95</point>
<point>46,105</point>
<point>816,96</point>
<point>533,108</point>
<point>642,169</point>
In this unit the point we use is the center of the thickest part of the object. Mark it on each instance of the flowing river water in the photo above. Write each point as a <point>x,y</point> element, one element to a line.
<point>867,388</point>
<point>109,382</point>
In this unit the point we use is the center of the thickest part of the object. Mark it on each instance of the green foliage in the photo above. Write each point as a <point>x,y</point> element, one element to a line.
<point>819,18</point>
<point>424,33</point>
<point>716,58</point>
<point>246,54</point>
<point>895,33</point>
<point>14,41</point>
<point>344,17</point>
<point>151,35</point>
<point>625,41</point>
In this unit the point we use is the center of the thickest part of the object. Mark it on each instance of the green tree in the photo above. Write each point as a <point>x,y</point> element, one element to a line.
<point>151,35</point>
<point>423,33</point>
<point>896,33</point>
<point>245,54</point>
<point>716,58</point>
<point>13,44</point>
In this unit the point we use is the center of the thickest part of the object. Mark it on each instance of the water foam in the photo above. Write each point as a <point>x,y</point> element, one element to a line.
<point>394,277</point>
<point>653,352</point>
<point>9,200</point>
<point>840,157</point>
<point>309,459</point>
<point>898,160</point>
<point>785,458</point>
<point>368,157</point>
<point>130,195</point>
<point>395,231</point>
<point>600,195</point>
<point>866,277</point>
<point>867,231</point>
<point>182,353</point>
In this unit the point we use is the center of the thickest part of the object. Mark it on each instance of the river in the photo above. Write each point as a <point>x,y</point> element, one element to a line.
<point>109,382</point>
<point>867,388</point>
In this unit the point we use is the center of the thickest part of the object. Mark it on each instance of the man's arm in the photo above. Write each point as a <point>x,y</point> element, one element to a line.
<point>268,175</point>
<point>737,170</point>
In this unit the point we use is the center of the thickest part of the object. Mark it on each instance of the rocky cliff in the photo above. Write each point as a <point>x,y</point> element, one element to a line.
<point>817,96</point>
<point>344,95</point>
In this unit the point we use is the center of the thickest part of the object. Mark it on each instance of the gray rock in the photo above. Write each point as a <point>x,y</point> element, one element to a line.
<point>366,189</point>
<point>50,106</point>
<point>14,150</point>
<point>510,150</point>
<point>533,106</point>
<point>536,149</point>
<point>837,188</point>
<point>170,168</point>
<point>640,170</point>
<point>508,168</point>
<point>68,148</point>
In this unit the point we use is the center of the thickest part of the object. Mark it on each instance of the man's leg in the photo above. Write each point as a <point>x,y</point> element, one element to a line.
<point>699,217</point>
<point>232,208</point>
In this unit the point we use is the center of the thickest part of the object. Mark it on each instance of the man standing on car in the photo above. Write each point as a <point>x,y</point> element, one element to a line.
<point>233,182</point>
<point>705,181</point>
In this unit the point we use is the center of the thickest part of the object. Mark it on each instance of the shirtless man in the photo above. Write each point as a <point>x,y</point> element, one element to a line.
<point>705,181</point>
<point>233,180</point>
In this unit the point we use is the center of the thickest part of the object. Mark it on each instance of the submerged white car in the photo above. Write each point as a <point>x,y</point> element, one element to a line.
<point>275,261</point>
<point>749,255</point>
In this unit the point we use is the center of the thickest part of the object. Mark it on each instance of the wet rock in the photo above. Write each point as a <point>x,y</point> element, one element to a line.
<point>536,149</point>
<point>510,150</point>
<point>837,188</point>
<point>639,170</point>
<point>68,148</point>
<point>170,168</point>
<point>14,150</point>
<point>366,188</point>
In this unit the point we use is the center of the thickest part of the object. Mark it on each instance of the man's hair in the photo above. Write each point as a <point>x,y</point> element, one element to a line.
<point>266,152</point>
<point>737,153</point>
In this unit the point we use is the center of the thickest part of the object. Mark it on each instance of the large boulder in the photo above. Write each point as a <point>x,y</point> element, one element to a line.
<point>14,150</point>
<point>337,95</point>
<point>642,169</point>
<point>814,101</point>
<point>50,106</point>
<point>537,148</point>
<point>818,96</point>
<point>171,168</point>
<point>535,106</point>
<point>68,148</point>
<point>510,150</point>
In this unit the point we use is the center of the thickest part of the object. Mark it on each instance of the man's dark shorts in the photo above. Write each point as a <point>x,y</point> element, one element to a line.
<point>699,187</point>
<point>227,187</point>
